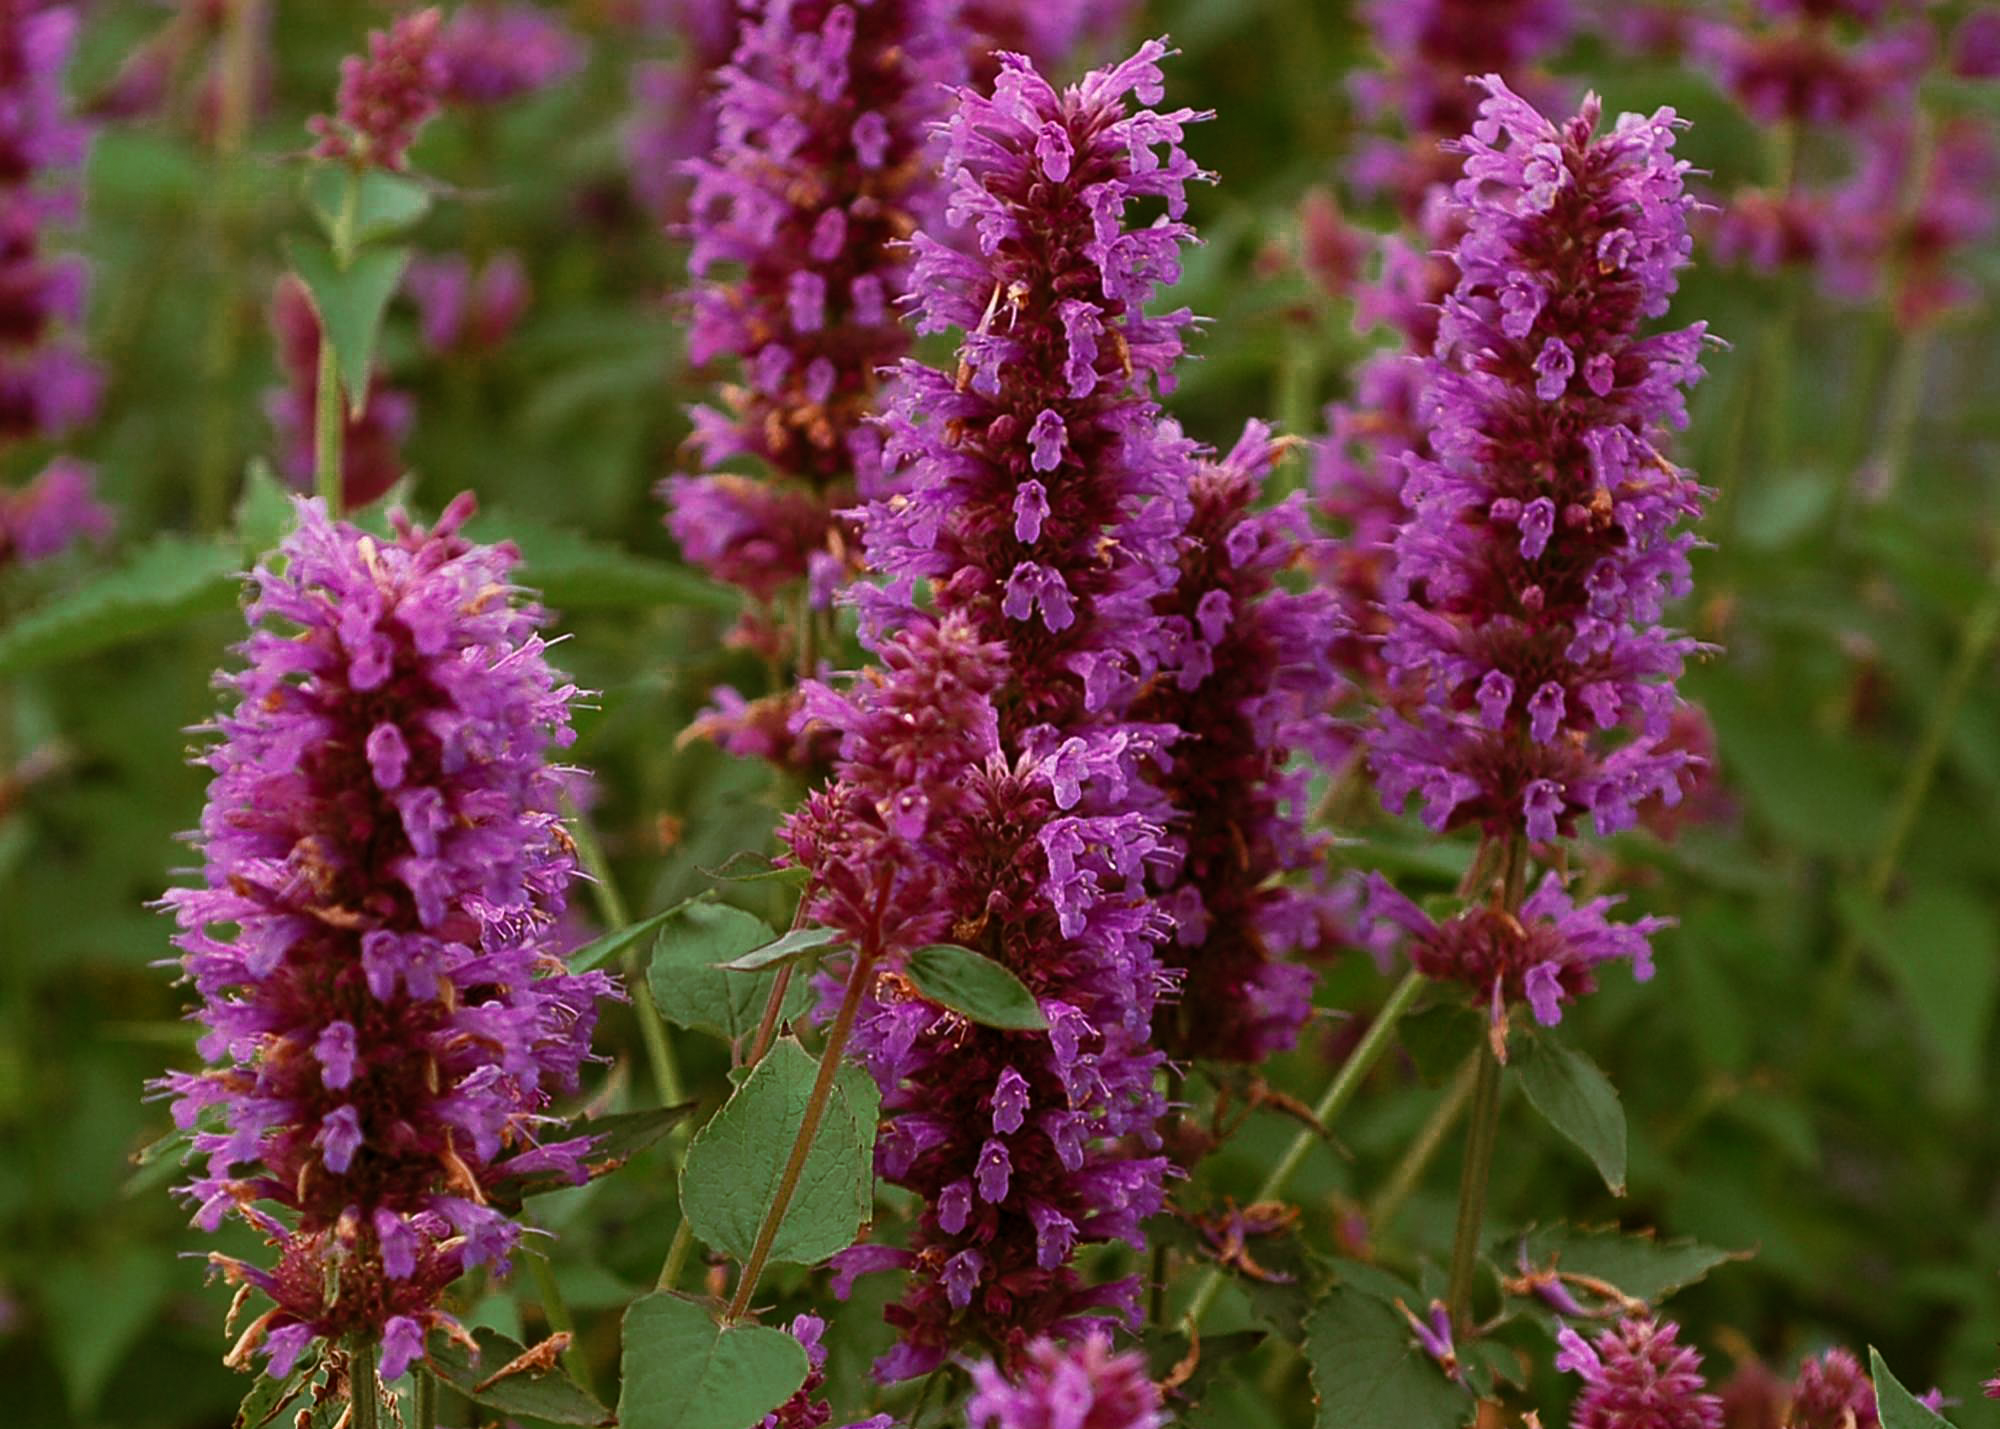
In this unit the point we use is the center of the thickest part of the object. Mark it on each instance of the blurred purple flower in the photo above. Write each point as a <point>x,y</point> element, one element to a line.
<point>460,311</point>
<point>386,96</point>
<point>47,387</point>
<point>1082,1386</point>
<point>51,513</point>
<point>494,53</point>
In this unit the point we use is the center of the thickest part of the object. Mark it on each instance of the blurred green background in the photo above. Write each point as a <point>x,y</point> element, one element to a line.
<point>1870,1202</point>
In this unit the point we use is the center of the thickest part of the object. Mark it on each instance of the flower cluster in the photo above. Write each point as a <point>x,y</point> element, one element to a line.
<point>460,310</point>
<point>1429,47</point>
<point>1798,67</point>
<point>805,1409</point>
<point>1358,477</point>
<point>494,53</point>
<point>1911,202</point>
<point>993,782</point>
<point>371,459</point>
<point>672,121</point>
<point>1545,955</point>
<point>1919,203</point>
<point>49,514</point>
<point>1533,681</point>
<point>46,385</point>
<point>383,868</point>
<point>1542,537</point>
<point>1081,1387</point>
<point>817,181</point>
<point>1636,1376</point>
<point>386,96</point>
<point>1249,683</point>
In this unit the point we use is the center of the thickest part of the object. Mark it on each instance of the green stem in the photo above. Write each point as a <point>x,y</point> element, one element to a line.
<point>615,915</point>
<point>555,1310</point>
<point>329,417</point>
<point>1367,1052</point>
<point>364,1395</point>
<point>1899,417</point>
<point>1418,1156</point>
<point>427,1399</point>
<point>1974,643</point>
<point>1484,1129</point>
<point>329,428</point>
<point>1472,1182</point>
<point>232,126</point>
<point>677,1255</point>
<point>802,1143</point>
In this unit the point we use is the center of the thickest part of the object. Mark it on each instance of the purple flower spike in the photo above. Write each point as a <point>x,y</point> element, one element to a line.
<point>47,387</point>
<point>1250,683</point>
<point>1523,611</point>
<point>386,96</point>
<point>1636,1376</point>
<point>799,219</point>
<point>996,780</point>
<point>384,868</point>
<point>1082,1387</point>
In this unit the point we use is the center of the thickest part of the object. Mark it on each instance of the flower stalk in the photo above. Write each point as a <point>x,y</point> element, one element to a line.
<point>802,1143</point>
<point>1367,1052</point>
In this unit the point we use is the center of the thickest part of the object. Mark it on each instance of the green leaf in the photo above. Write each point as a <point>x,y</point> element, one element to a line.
<point>1579,1101</point>
<point>1896,1406</point>
<point>1942,946</point>
<point>168,583</point>
<point>384,204</point>
<point>264,512</point>
<point>684,1371</point>
<point>800,943</point>
<point>97,1313</point>
<point>735,1162</point>
<point>574,572</point>
<point>350,303</point>
<point>688,982</point>
<point>269,1397</point>
<point>618,1139</point>
<point>975,987</point>
<point>1639,1264</point>
<point>750,866</point>
<point>156,1162</point>
<point>545,1394</point>
<point>1368,1370</point>
<point>613,946</point>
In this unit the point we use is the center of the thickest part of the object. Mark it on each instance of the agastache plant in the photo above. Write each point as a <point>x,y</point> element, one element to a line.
<point>1532,680</point>
<point>993,781</point>
<point>800,221</point>
<point>385,1021</point>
